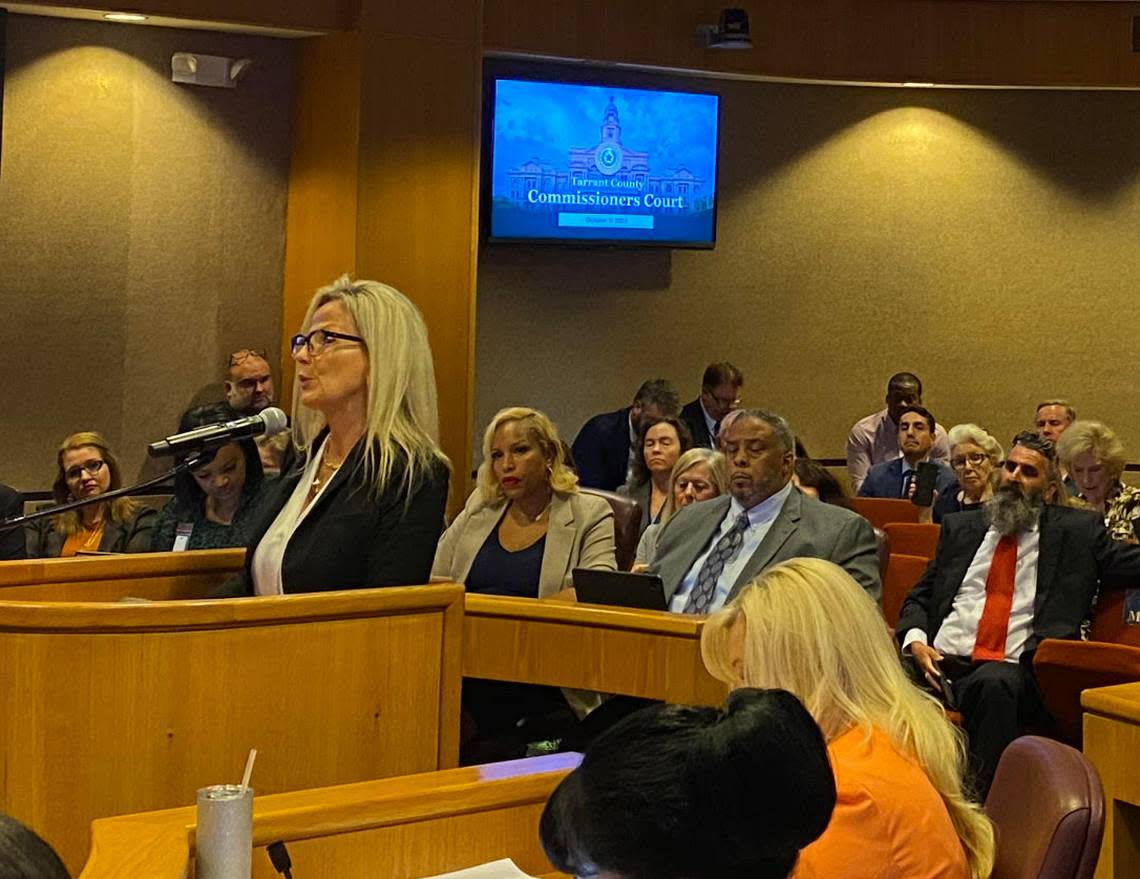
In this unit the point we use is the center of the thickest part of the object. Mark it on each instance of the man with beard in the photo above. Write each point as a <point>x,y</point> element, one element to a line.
<point>711,549</point>
<point>1003,578</point>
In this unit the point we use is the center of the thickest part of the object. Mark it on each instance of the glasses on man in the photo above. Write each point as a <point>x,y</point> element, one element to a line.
<point>239,357</point>
<point>318,340</point>
<point>975,458</point>
<point>91,467</point>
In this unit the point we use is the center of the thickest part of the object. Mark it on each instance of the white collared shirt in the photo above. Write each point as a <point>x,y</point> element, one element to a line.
<point>269,555</point>
<point>760,519</point>
<point>959,630</point>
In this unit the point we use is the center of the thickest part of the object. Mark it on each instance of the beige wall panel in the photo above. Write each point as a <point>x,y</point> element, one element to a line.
<point>141,230</point>
<point>983,239</point>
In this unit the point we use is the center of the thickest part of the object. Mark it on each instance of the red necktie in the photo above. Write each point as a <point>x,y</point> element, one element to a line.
<point>994,624</point>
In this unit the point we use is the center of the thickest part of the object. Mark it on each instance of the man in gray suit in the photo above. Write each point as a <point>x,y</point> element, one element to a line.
<point>709,550</point>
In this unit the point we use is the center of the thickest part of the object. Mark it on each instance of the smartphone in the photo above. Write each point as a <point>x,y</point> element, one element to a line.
<point>947,691</point>
<point>924,484</point>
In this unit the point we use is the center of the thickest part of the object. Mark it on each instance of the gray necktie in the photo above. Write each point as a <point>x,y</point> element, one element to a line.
<point>726,548</point>
<point>908,478</point>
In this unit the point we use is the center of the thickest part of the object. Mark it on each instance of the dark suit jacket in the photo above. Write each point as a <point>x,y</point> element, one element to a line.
<point>1076,554</point>
<point>352,540</point>
<point>601,450</point>
<point>12,544</point>
<point>694,418</point>
<point>885,480</point>
<point>44,542</point>
<point>804,527</point>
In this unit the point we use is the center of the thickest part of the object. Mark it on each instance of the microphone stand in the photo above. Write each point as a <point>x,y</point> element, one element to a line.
<point>194,459</point>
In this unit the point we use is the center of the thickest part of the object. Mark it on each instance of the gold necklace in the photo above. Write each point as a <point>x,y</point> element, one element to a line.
<point>319,480</point>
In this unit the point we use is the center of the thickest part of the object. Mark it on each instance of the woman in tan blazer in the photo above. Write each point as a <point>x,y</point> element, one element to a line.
<point>523,530</point>
<point>526,526</point>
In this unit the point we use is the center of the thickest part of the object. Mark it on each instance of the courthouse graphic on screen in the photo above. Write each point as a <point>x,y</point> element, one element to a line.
<point>608,175</point>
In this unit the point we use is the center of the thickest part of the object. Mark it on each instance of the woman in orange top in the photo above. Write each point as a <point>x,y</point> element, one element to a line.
<point>88,467</point>
<point>901,811</point>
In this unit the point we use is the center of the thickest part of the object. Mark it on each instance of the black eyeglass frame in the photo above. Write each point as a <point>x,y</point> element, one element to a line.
<point>305,339</point>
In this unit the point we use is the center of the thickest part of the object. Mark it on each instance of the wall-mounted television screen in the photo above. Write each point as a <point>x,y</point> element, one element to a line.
<point>587,162</point>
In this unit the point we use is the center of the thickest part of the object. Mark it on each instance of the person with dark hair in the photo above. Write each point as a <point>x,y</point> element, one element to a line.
<point>604,448</point>
<point>24,855</point>
<point>875,439</point>
<point>1003,578</point>
<point>709,551</point>
<point>215,504</point>
<point>12,543</point>
<point>87,467</point>
<point>897,478</point>
<point>720,394</point>
<point>815,480</point>
<point>660,442</point>
<point>674,792</point>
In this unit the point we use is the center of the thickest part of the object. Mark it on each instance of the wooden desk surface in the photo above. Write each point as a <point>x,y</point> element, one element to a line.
<point>1121,701</point>
<point>398,828</point>
<point>651,654</point>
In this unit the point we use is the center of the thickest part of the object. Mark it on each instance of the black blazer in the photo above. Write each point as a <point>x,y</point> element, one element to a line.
<point>12,544</point>
<point>44,542</point>
<point>601,450</point>
<point>694,418</point>
<point>352,540</point>
<point>1076,554</point>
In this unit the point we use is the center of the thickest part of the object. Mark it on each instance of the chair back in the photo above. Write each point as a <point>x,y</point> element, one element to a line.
<point>913,538</point>
<point>903,571</point>
<point>1065,668</point>
<point>1047,806</point>
<point>883,548</point>
<point>627,524</point>
<point>1109,623</point>
<point>879,511</point>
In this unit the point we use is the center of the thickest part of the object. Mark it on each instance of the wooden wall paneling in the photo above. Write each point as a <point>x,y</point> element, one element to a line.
<point>967,42</point>
<point>398,828</point>
<point>1111,742</point>
<point>113,708</point>
<point>651,654</point>
<point>301,15</point>
<point>419,153</point>
<point>320,230</point>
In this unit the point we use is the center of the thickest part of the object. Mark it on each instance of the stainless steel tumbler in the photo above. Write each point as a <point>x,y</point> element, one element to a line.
<point>224,848</point>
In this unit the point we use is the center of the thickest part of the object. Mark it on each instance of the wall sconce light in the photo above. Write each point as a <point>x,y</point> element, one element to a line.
<point>209,70</point>
<point>730,33</point>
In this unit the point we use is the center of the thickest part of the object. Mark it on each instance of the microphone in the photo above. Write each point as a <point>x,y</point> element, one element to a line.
<point>210,436</point>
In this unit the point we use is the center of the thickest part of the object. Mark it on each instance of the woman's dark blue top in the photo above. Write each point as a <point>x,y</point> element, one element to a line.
<point>496,571</point>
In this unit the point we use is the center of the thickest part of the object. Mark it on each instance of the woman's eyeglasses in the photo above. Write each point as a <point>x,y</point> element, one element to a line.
<point>78,470</point>
<point>974,458</point>
<point>318,340</point>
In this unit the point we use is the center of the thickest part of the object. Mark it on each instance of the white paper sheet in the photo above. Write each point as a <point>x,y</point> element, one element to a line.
<point>504,869</point>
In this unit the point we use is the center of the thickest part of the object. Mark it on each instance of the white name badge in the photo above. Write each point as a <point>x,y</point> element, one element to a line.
<point>182,535</point>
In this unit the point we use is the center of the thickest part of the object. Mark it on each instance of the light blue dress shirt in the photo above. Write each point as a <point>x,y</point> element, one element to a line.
<point>760,519</point>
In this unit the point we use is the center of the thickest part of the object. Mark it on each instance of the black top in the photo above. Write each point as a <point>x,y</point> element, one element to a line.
<point>694,417</point>
<point>948,503</point>
<point>206,534</point>
<point>352,539</point>
<point>12,545</point>
<point>601,450</point>
<point>497,571</point>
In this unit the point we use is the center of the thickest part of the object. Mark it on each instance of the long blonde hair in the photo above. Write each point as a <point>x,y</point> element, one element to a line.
<point>812,630</point>
<point>122,509</point>
<point>544,434</point>
<point>402,415</point>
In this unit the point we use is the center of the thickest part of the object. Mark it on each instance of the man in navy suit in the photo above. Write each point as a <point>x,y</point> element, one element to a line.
<point>1003,579</point>
<point>896,479</point>
<point>603,449</point>
<point>720,394</point>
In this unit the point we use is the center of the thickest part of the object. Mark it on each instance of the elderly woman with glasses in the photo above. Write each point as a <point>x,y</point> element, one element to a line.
<point>88,468</point>
<point>1094,456</point>
<point>364,507</point>
<point>974,458</point>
